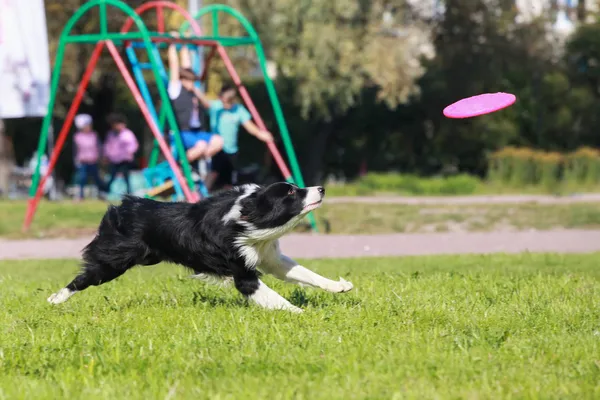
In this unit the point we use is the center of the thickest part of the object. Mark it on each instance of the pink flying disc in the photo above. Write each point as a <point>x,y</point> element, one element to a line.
<point>478,105</point>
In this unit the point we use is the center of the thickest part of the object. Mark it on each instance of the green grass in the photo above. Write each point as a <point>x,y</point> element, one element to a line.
<point>52,218</point>
<point>70,219</point>
<point>393,218</point>
<point>476,327</point>
<point>374,184</point>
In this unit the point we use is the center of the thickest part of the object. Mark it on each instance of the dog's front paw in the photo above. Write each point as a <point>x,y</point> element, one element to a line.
<point>340,286</point>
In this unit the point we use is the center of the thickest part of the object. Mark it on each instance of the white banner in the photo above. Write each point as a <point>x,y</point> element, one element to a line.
<point>24,59</point>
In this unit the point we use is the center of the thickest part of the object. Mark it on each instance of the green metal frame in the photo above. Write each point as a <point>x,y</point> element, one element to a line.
<point>253,39</point>
<point>119,38</point>
<point>143,35</point>
<point>147,38</point>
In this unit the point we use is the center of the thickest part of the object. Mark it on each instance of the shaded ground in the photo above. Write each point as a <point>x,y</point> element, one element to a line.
<point>479,199</point>
<point>80,220</point>
<point>347,217</point>
<point>340,246</point>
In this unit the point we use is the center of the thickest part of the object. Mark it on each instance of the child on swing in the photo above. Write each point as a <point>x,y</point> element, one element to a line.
<point>226,116</point>
<point>189,105</point>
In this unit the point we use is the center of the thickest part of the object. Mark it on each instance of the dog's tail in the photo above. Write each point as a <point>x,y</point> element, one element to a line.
<point>111,222</point>
<point>113,232</point>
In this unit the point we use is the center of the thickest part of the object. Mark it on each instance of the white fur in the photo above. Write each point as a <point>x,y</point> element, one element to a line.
<point>236,211</point>
<point>286,269</point>
<point>312,200</point>
<point>61,296</point>
<point>268,298</point>
<point>254,236</point>
<point>213,279</point>
<point>257,244</point>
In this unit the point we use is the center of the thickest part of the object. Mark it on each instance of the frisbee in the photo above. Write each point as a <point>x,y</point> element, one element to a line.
<point>479,105</point>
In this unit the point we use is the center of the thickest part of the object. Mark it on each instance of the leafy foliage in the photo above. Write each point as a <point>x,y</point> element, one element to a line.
<point>361,84</point>
<point>333,50</point>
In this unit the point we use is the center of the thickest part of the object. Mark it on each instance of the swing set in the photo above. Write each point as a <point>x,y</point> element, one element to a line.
<point>182,182</point>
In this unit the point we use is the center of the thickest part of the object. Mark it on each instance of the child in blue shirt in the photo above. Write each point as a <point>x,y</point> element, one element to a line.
<point>226,117</point>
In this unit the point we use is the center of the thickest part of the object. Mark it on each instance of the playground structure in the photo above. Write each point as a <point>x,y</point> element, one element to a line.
<point>181,182</point>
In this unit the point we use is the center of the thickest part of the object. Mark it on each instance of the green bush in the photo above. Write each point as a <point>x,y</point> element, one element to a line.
<point>522,167</point>
<point>407,185</point>
<point>583,166</point>
<point>548,169</point>
<point>509,168</point>
<point>460,184</point>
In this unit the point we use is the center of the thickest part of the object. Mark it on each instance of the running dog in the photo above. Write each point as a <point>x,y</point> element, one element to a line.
<point>230,236</point>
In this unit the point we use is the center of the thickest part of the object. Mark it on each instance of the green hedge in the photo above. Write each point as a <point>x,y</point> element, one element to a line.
<point>510,170</point>
<point>521,167</point>
<point>408,185</point>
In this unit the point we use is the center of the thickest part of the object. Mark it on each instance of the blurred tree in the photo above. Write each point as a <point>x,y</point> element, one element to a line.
<point>327,53</point>
<point>58,12</point>
<point>360,81</point>
<point>6,159</point>
<point>583,66</point>
<point>479,48</point>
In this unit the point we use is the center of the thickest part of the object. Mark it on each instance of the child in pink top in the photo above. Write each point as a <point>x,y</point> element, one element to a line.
<point>87,153</point>
<point>119,149</point>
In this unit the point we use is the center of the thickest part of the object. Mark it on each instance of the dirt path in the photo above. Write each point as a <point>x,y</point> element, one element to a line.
<point>322,246</point>
<point>458,200</point>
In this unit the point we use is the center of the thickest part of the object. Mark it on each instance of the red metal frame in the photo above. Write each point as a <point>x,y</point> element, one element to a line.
<point>64,133</point>
<point>160,20</point>
<point>160,5</point>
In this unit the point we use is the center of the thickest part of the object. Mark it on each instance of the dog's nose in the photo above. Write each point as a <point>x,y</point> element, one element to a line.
<point>321,190</point>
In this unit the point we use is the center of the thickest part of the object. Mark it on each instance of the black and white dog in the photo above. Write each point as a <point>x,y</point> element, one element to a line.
<point>229,236</point>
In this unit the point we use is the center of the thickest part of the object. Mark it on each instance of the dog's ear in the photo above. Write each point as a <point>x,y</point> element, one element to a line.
<point>263,203</point>
<point>254,205</point>
<point>248,206</point>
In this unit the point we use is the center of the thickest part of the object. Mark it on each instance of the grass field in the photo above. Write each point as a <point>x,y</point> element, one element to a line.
<point>473,327</point>
<point>70,219</point>
<point>410,185</point>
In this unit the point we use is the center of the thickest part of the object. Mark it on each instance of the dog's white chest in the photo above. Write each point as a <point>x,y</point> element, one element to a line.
<point>254,254</point>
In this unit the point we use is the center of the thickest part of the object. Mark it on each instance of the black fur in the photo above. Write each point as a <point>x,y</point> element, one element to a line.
<point>146,232</point>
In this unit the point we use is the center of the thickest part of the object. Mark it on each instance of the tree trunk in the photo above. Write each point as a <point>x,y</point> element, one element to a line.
<point>316,155</point>
<point>581,11</point>
<point>6,160</point>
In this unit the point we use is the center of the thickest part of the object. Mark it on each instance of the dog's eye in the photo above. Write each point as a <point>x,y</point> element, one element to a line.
<point>291,192</point>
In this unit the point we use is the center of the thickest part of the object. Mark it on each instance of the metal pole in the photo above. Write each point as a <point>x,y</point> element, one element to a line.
<point>52,193</point>
<point>193,7</point>
<point>36,191</point>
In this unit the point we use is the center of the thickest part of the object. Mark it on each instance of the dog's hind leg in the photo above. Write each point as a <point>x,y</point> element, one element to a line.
<point>286,269</point>
<point>91,275</point>
<point>257,292</point>
<point>102,263</point>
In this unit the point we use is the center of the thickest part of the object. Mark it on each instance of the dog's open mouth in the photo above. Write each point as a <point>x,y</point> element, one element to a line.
<point>312,206</point>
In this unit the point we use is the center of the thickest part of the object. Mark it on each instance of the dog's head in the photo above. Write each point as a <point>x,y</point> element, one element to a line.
<point>271,211</point>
